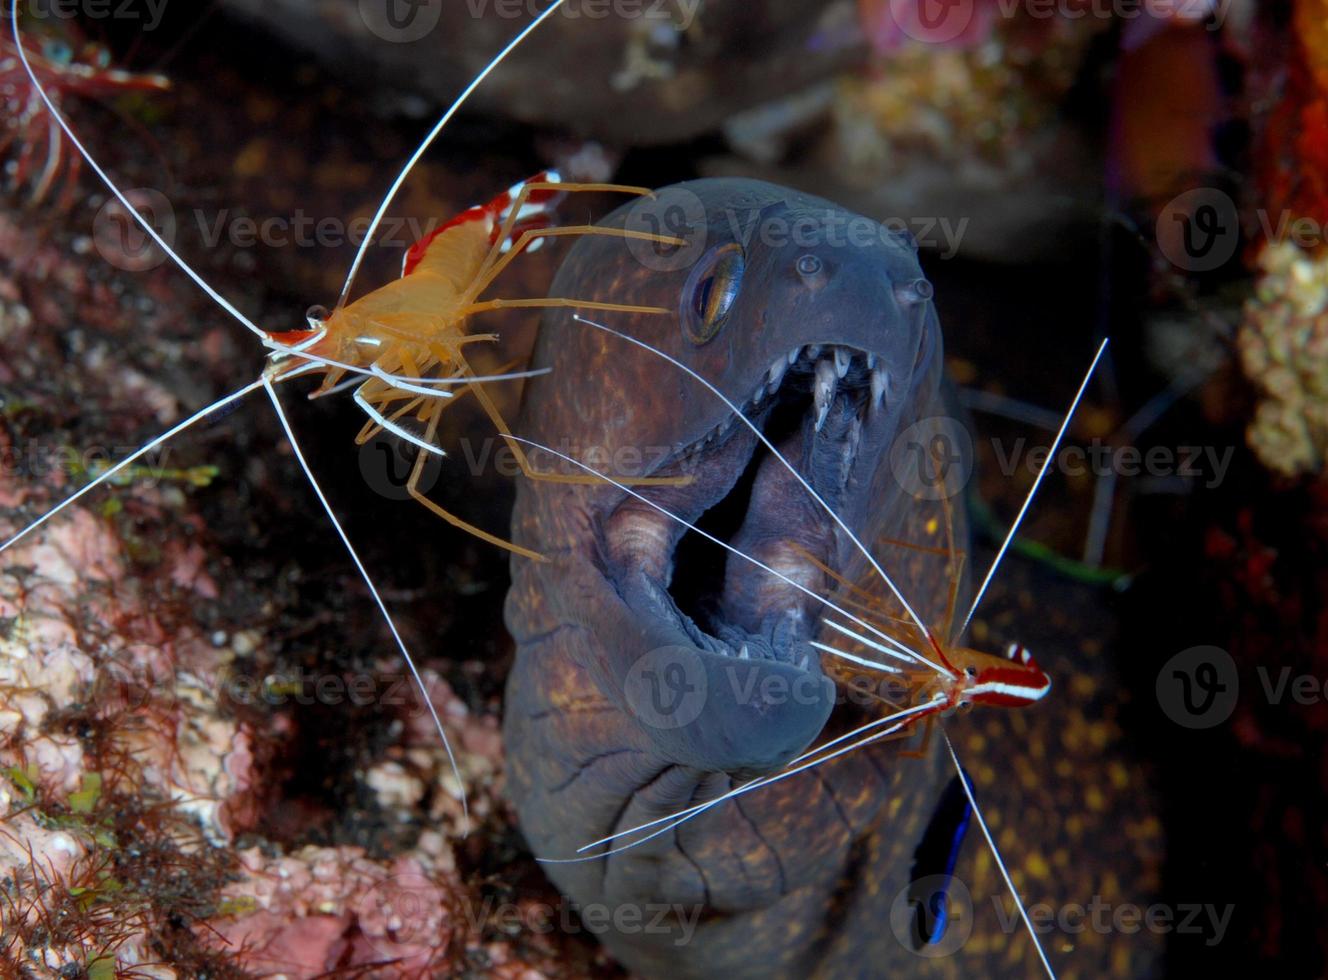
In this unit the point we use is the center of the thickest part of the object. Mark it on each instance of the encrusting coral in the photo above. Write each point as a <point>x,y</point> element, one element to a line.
<point>1283,345</point>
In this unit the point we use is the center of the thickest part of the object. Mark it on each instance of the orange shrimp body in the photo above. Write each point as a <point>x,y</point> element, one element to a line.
<point>403,343</point>
<point>418,322</point>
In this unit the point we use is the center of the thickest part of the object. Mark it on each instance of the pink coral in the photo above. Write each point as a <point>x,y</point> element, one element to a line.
<point>322,908</point>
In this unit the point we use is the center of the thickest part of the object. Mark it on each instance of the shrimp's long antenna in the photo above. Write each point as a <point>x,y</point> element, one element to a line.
<point>139,453</point>
<point>891,651</point>
<point>745,557</point>
<point>143,223</point>
<point>1037,482</point>
<point>1000,862</point>
<point>843,526</point>
<point>808,760</point>
<point>428,141</point>
<point>373,591</point>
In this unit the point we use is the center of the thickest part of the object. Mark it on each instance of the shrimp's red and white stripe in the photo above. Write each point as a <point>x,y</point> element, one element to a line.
<point>957,677</point>
<point>61,71</point>
<point>410,335</point>
<point>402,344</point>
<point>536,212</point>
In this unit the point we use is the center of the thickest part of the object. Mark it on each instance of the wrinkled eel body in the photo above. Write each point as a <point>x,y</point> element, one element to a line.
<point>797,879</point>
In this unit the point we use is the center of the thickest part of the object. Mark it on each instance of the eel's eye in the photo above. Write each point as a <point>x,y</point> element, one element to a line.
<point>317,316</point>
<point>711,292</point>
<point>808,265</point>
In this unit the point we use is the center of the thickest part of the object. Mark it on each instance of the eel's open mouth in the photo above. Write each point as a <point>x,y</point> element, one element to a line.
<point>819,406</point>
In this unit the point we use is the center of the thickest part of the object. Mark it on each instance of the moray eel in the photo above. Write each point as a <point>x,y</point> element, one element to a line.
<point>650,674</point>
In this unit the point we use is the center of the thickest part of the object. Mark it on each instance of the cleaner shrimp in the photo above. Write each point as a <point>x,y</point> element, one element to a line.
<point>402,346</point>
<point>940,675</point>
<point>64,66</point>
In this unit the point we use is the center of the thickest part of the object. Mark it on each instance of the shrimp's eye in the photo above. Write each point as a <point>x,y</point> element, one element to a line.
<point>711,291</point>
<point>317,316</point>
<point>971,671</point>
<point>57,52</point>
<point>965,705</point>
<point>808,265</point>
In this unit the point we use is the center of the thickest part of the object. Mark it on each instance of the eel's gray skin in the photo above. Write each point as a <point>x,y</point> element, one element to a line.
<point>797,879</point>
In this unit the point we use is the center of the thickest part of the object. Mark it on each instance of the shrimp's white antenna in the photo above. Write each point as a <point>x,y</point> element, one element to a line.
<point>1000,862</point>
<point>926,632</point>
<point>373,591</point>
<point>745,557</point>
<point>808,760</point>
<point>893,650</point>
<point>1037,482</point>
<point>423,148</point>
<point>129,460</point>
<point>143,223</point>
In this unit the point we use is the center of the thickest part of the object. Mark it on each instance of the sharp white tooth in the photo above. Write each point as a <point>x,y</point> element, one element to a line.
<point>794,354</point>
<point>743,654</point>
<point>823,390</point>
<point>777,371</point>
<point>843,358</point>
<point>805,662</point>
<point>813,351</point>
<point>871,361</point>
<point>879,382</point>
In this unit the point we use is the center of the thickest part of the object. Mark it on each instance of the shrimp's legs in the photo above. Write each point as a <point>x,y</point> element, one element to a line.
<point>489,273</point>
<point>413,488</point>
<point>495,256</point>
<point>575,478</point>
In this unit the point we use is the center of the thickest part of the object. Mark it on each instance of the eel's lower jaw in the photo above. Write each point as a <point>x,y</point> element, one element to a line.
<point>815,405</point>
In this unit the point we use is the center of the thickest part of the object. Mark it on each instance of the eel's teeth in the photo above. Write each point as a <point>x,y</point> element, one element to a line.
<point>743,654</point>
<point>871,362</point>
<point>843,358</point>
<point>824,390</point>
<point>879,383</point>
<point>813,351</point>
<point>777,371</point>
<point>793,355</point>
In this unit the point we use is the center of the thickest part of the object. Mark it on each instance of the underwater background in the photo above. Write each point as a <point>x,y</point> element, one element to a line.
<point>214,764</point>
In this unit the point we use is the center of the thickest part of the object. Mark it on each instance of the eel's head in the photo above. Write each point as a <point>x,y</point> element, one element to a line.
<point>818,325</point>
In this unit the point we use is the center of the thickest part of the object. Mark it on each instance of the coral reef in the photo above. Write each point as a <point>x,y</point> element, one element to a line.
<point>164,810</point>
<point>963,105</point>
<point>1283,345</point>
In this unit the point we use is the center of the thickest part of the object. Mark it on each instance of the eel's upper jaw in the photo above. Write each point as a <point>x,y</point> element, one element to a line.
<point>819,405</point>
